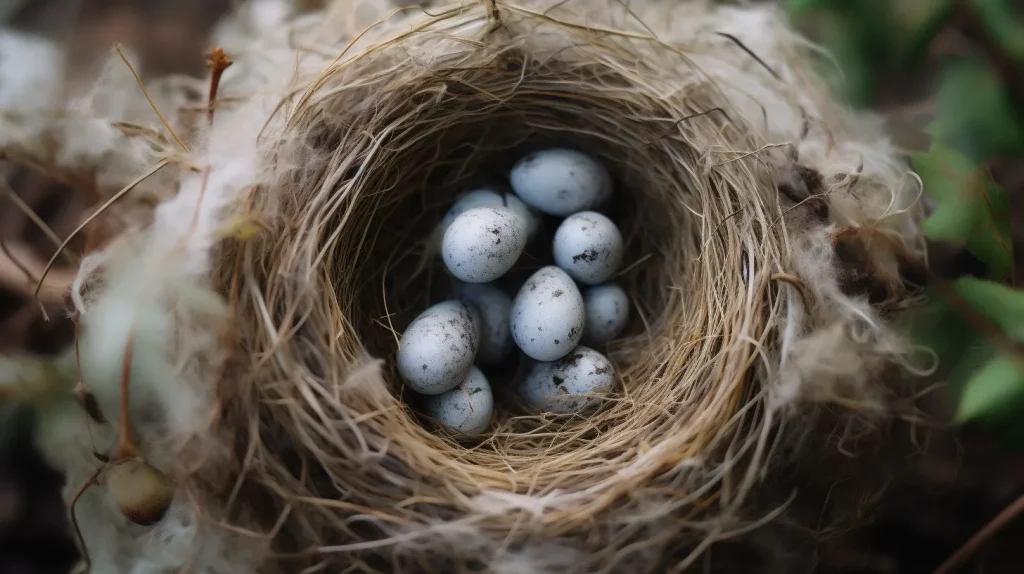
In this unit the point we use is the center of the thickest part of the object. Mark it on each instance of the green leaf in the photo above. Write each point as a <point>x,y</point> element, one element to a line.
<point>999,303</point>
<point>975,115</point>
<point>976,352</point>
<point>998,17</point>
<point>971,209</point>
<point>991,389</point>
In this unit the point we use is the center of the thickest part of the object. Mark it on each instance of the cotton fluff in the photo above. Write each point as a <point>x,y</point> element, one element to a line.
<point>94,131</point>
<point>173,322</point>
<point>30,71</point>
<point>78,127</point>
<point>150,286</point>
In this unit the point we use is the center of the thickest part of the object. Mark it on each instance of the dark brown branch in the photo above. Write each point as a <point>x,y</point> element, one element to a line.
<point>975,542</point>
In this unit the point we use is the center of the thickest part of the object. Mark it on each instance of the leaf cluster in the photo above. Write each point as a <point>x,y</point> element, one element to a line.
<point>975,324</point>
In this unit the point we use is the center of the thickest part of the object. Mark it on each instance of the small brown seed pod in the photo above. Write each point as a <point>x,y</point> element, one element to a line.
<point>142,492</point>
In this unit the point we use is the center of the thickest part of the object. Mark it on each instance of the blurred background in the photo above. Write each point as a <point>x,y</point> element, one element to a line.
<point>947,76</point>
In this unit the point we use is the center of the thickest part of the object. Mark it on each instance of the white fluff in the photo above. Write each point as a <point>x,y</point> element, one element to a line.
<point>150,285</point>
<point>30,72</point>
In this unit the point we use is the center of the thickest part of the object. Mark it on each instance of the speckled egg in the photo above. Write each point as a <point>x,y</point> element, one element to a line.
<point>588,246</point>
<point>493,306</point>
<point>547,315</point>
<point>438,348</point>
<point>493,197</point>
<point>569,384</point>
<point>561,181</point>
<point>483,243</point>
<point>607,311</point>
<point>465,409</point>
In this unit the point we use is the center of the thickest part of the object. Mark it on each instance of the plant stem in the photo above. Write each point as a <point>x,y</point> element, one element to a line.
<point>74,518</point>
<point>217,61</point>
<point>125,447</point>
<point>976,541</point>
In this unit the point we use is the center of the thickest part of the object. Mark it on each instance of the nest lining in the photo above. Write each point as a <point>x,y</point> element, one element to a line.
<point>373,231</point>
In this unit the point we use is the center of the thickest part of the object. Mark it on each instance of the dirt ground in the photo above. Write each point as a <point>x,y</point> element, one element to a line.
<point>964,479</point>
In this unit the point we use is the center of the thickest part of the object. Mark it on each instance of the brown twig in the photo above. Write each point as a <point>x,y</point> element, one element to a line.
<point>975,542</point>
<point>17,262</point>
<point>61,245</point>
<point>31,215</point>
<point>125,447</point>
<point>217,61</point>
<point>145,93</point>
<point>74,517</point>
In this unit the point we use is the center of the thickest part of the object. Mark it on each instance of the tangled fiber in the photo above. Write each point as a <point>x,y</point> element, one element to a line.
<point>766,227</point>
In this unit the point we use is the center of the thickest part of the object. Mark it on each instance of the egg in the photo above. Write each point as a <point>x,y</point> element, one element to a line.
<point>588,246</point>
<point>438,348</point>
<point>483,243</point>
<point>607,312</point>
<point>467,408</point>
<point>493,306</point>
<point>547,315</point>
<point>493,197</point>
<point>561,181</point>
<point>569,384</point>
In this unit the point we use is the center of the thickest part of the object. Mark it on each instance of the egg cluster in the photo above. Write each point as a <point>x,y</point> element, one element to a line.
<point>482,236</point>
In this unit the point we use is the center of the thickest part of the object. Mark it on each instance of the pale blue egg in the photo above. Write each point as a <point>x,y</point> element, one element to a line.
<point>547,315</point>
<point>561,181</point>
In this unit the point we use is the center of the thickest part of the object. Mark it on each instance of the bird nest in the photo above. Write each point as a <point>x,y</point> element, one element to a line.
<point>765,226</point>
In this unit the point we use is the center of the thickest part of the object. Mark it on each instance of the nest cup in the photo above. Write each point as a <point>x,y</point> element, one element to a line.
<point>721,266</point>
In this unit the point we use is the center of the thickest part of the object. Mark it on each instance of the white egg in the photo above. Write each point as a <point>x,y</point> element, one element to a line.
<point>561,181</point>
<point>493,306</point>
<point>588,246</point>
<point>467,408</point>
<point>493,197</point>
<point>547,315</point>
<point>607,310</point>
<point>569,384</point>
<point>438,348</point>
<point>483,243</point>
